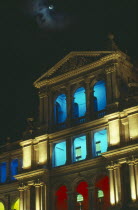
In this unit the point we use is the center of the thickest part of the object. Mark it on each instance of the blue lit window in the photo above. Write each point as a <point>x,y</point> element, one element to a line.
<point>3,172</point>
<point>79,148</point>
<point>100,142</point>
<point>99,96</point>
<point>59,154</point>
<point>79,103</point>
<point>60,109</point>
<point>14,168</point>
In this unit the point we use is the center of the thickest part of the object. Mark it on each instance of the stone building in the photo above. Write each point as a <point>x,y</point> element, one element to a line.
<point>83,151</point>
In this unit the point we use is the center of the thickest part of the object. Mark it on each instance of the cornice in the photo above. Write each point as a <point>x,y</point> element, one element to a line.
<point>26,142</point>
<point>125,151</point>
<point>81,128</point>
<point>30,174</point>
<point>41,138</point>
<point>81,165</point>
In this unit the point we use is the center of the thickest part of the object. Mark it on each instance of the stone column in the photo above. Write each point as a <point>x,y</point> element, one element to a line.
<point>88,100</point>
<point>37,197</point>
<point>28,198</point>
<point>68,149</point>
<point>71,204</point>
<point>115,84</point>
<point>25,198</point>
<point>91,192</point>
<point>50,156</point>
<point>117,183</point>
<point>69,106</point>
<point>112,187</point>
<point>20,165</point>
<point>89,145</point>
<point>132,180</point>
<point>43,196</point>
<point>136,174</point>
<point>8,170</point>
<point>92,111</point>
<point>21,191</point>
<point>109,86</point>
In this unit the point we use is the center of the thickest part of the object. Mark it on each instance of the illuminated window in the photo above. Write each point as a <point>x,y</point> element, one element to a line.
<point>2,206</point>
<point>60,109</point>
<point>100,194</point>
<point>98,148</point>
<point>99,96</point>
<point>79,103</point>
<point>14,168</point>
<point>78,153</point>
<point>79,148</point>
<point>59,154</point>
<point>100,142</point>
<point>3,172</point>
<point>79,198</point>
<point>16,205</point>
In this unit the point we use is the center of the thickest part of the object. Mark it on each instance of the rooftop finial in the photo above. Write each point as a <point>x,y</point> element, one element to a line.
<point>111,45</point>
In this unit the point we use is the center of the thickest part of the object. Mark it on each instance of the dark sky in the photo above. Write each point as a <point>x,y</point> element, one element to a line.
<point>27,50</point>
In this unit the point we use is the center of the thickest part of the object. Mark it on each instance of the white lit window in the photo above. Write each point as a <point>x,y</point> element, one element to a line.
<point>79,198</point>
<point>100,194</point>
<point>98,148</point>
<point>78,153</point>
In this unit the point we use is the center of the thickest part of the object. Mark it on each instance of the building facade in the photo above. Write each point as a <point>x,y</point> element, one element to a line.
<point>82,152</point>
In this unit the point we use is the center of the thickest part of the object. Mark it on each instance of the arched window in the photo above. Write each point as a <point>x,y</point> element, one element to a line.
<point>3,170</point>
<point>100,142</point>
<point>99,96</point>
<point>102,196</point>
<point>15,206</point>
<point>82,196</point>
<point>79,148</point>
<point>14,168</point>
<point>2,206</point>
<point>79,103</point>
<point>60,109</point>
<point>61,198</point>
<point>59,154</point>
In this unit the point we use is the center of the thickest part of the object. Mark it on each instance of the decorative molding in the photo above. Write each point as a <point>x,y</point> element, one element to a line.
<point>31,174</point>
<point>106,57</point>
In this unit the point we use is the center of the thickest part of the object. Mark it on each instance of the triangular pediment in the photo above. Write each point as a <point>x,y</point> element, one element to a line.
<point>72,61</point>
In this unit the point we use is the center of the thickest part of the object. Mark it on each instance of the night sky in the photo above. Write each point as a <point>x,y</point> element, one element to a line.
<point>29,47</point>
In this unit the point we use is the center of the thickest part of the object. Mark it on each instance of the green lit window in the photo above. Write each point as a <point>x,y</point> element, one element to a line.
<point>78,153</point>
<point>79,198</point>
<point>98,148</point>
<point>100,194</point>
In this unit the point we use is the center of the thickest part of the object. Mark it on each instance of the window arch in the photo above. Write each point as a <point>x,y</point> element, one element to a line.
<point>99,96</point>
<point>61,198</point>
<point>60,109</point>
<point>79,103</point>
<point>2,207</point>
<point>82,196</point>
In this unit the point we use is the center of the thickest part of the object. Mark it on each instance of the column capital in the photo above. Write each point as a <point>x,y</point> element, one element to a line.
<point>21,188</point>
